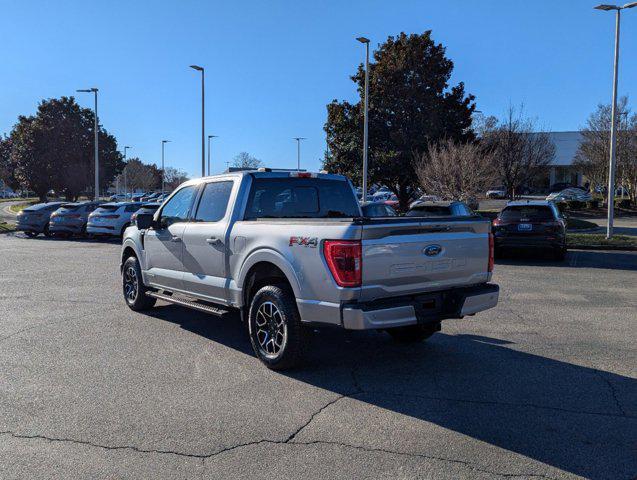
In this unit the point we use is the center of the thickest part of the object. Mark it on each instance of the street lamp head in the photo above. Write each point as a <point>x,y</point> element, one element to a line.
<point>362,39</point>
<point>88,90</point>
<point>299,138</point>
<point>213,136</point>
<point>126,146</point>
<point>197,67</point>
<point>630,5</point>
<point>165,141</point>
<point>607,7</point>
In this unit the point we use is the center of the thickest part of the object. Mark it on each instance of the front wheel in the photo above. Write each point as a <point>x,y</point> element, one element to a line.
<point>275,329</point>
<point>413,333</point>
<point>133,287</point>
<point>559,254</point>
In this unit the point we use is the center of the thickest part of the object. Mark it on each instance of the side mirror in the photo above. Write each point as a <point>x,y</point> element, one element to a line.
<point>144,221</point>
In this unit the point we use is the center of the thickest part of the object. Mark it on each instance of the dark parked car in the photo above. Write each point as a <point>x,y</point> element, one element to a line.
<point>145,208</point>
<point>378,209</point>
<point>72,218</point>
<point>531,224</point>
<point>440,209</point>
<point>34,220</point>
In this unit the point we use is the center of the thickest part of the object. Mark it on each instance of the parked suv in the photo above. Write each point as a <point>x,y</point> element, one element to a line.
<point>34,220</point>
<point>290,250</point>
<point>72,218</point>
<point>531,224</point>
<point>112,218</point>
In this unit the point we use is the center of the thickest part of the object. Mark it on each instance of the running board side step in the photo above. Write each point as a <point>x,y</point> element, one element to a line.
<point>194,304</point>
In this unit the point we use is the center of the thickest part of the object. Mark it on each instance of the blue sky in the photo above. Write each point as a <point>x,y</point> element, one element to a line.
<point>272,66</point>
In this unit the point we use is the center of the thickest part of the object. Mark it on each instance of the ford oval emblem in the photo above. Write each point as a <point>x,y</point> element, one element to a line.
<point>432,250</point>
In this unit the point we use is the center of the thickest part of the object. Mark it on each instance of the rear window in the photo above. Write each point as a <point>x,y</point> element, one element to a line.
<point>528,213</point>
<point>108,208</point>
<point>301,198</point>
<point>429,211</point>
<point>70,207</point>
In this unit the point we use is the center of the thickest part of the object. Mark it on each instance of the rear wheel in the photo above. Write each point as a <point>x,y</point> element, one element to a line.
<point>133,287</point>
<point>275,329</point>
<point>413,333</point>
<point>47,232</point>
<point>559,254</point>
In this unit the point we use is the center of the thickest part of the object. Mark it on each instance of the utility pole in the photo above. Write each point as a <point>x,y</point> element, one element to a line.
<point>298,152</point>
<point>96,141</point>
<point>366,119</point>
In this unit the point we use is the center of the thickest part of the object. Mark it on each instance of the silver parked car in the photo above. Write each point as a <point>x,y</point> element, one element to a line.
<point>34,220</point>
<point>72,218</point>
<point>112,218</point>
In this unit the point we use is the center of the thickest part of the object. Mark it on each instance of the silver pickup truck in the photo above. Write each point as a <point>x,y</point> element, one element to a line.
<point>291,250</point>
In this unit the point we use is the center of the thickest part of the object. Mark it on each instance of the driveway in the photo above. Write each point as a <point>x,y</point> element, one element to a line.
<point>543,386</point>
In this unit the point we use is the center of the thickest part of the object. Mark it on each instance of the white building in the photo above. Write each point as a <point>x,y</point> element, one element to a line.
<point>562,169</point>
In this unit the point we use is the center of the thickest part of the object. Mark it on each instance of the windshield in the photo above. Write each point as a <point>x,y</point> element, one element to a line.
<point>429,211</point>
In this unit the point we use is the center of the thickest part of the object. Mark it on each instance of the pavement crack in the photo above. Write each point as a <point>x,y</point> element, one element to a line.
<point>494,402</point>
<point>613,392</point>
<point>293,435</point>
<point>465,463</point>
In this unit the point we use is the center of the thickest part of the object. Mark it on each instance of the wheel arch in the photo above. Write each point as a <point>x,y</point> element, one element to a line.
<point>266,267</point>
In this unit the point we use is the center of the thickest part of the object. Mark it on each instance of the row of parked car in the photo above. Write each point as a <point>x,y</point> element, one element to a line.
<point>81,218</point>
<point>523,224</point>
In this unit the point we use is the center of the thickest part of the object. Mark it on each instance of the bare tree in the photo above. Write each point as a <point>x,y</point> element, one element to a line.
<point>520,151</point>
<point>174,177</point>
<point>594,151</point>
<point>247,161</point>
<point>454,170</point>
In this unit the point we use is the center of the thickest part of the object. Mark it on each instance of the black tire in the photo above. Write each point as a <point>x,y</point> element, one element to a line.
<point>133,286</point>
<point>413,333</point>
<point>497,252</point>
<point>47,232</point>
<point>559,254</point>
<point>31,234</point>
<point>275,329</point>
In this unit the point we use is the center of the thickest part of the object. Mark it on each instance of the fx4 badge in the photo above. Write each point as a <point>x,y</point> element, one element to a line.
<point>311,242</point>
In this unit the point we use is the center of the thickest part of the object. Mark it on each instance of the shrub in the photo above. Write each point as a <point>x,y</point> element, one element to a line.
<point>592,204</point>
<point>576,205</point>
<point>625,203</point>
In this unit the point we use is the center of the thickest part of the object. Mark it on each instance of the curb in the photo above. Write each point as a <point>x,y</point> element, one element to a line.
<point>618,248</point>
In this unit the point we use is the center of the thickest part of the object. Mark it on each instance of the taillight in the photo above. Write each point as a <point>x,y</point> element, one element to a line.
<point>491,258</point>
<point>345,261</point>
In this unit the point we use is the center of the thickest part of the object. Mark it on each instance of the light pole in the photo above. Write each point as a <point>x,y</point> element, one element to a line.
<point>203,121</point>
<point>125,183</point>
<point>163,176</point>
<point>298,152</point>
<point>209,137</point>
<point>96,128</point>
<point>613,123</point>
<point>365,121</point>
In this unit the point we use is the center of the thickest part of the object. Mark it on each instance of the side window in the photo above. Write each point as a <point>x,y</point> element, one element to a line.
<point>132,208</point>
<point>214,202</point>
<point>176,210</point>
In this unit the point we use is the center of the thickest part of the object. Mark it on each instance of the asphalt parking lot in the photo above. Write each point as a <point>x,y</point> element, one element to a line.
<point>543,386</point>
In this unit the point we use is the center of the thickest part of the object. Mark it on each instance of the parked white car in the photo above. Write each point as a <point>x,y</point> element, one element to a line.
<point>382,196</point>
<point>497,192</point>
<point>569,195</point>
<point>112,218</point>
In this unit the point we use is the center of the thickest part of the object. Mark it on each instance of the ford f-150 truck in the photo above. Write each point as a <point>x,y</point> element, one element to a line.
<point>291,250</point>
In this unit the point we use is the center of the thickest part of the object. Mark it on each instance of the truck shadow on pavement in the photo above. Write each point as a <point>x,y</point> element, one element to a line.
<point>574,418</point>
<point>609,260</point>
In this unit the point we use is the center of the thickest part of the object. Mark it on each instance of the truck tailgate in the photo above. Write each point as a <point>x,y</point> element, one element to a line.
<point>413,255</point>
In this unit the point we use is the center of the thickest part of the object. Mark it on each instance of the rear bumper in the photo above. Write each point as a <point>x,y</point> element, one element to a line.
<point>101,229</point>
<point>65,228</point>
<point>425,308</point>
<point>530,242</point>
<point>26,227</point>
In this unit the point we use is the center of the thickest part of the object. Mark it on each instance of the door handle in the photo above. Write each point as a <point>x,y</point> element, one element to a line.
<point>213,241</point>
<point>174,238</point>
